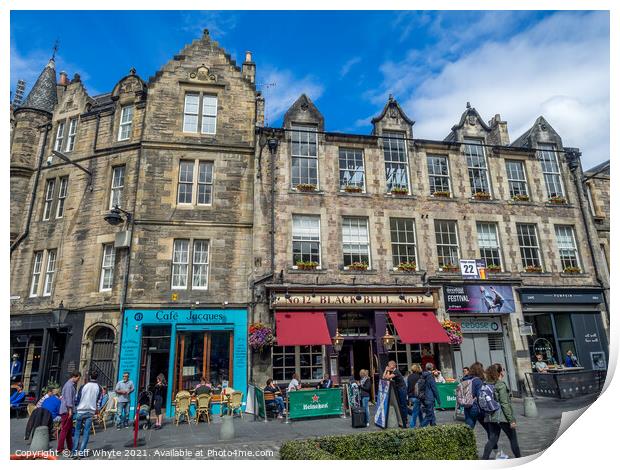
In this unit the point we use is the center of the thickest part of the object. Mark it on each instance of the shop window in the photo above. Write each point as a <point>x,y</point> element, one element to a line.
<point>528,245</point>
<point>396,162</point>
<point>569,256</point>
<point>438,174</point>
<point>402,232</point>
<point>407,354</point>
<point>306,361</point>
<point>28,348</point>
<point>351,162</point>
<point>195,185</point>
<point>517,182</point>
<point>447,241</point>
<point>307,239</point>
<point>476,166</point>
<point>304,156</point>
<point>488,242</point>
<point>117,185</point>
<point>355,241</point>
<point>551,170</point>
<point>126,121</point>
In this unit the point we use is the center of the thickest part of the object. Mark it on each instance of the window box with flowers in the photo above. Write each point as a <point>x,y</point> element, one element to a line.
<point>407,267</point>
<point>399,191</point>
<point>352,189</point>
<point>306,187</point>
<point>572,270</point>
<point>521,198</point>
<point>357,266</point>
<point>533,269</point>
<point>560,200</point>
<point>449,268</point>
<point>307,265</point>
<point>453,330</point>
<point>260,336</point>
<point>444,194</point>
<point>482,196</point>
<point>494,268</point>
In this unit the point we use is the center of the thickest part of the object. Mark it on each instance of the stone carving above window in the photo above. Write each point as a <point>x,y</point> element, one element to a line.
<point>202,74</point>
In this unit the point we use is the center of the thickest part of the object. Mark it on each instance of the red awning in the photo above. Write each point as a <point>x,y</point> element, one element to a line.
<point>301,329</point>
<point>418,327</point>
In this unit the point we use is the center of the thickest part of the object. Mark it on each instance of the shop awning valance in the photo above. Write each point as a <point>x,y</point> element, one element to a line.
<point>301,329</point>
<point>418,327</point>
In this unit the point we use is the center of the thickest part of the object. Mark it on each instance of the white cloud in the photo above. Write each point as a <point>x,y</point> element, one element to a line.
<point>219,23</point>
<point>281,88</point>
<point>346,68</point>
<point>558,68</point>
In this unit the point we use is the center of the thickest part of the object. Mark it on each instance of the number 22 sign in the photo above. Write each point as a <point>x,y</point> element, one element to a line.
<point>469,269</point>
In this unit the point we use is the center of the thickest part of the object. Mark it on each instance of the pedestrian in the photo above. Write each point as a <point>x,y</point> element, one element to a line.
<point>503,418</point>
<point>394,375</point>
<point>16,368</point>
<point>365,388</point>
<point>427,394</point>
<point>87,407</point>
<point>293,384</point>
<point>412,379</point>
<point>467,393</point>
<point>123,389</point>
<point>159,392</point>
<point>67,405</point>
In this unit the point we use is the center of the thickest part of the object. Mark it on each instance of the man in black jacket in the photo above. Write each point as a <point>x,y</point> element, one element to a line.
<point>400,387</point>
<point>428,395</point>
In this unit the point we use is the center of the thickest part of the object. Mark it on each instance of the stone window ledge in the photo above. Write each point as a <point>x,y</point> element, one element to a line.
<point>544,274</point>
<point>315,192</point>
<point>484,201</point>
<point>362,194</point>
<point>353,272</point>
<point>404,196</point>
<point>291,270</point>
<point>579,275</point>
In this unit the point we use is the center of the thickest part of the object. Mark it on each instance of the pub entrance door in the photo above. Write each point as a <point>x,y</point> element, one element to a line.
<point>356,354</point>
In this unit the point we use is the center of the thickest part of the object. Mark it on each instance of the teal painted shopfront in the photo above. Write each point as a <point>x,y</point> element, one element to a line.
<point>184,346</point>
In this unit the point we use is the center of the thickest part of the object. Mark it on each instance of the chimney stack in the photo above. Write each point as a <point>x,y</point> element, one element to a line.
<point>248,69</point>
<point>64,79</point>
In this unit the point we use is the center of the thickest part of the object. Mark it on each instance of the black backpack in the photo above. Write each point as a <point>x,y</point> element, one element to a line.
<point>420,388</point>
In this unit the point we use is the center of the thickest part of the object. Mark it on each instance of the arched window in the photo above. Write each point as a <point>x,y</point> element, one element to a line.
<point>102,355</point>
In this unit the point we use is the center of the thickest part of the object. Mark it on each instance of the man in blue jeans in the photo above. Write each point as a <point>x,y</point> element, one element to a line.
<point>88,398</point>
<point>429,397</point>
<point>365,388</point>
<point>124,388</point>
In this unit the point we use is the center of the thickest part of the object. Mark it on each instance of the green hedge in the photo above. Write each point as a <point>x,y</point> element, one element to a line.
<point>445,442</point>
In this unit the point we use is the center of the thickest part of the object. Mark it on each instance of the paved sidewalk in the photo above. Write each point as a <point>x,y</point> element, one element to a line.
<point>260,440</point>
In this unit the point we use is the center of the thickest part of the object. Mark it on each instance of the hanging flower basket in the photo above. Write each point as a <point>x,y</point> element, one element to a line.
<point>453,329</point>
<point>572,270</point>
<point>557,200</point>
<point>352,189</point>
<point>441,194</point>
<point>521,197</point>
<point>449,268</point>
<point>399,191</point>
<point>306,187</point>
<point>407,267</point>
<point>307,265</point>
<point>482,196</point>
<point>357,266</point>
<point>533,269</point>
<point>260,336</point>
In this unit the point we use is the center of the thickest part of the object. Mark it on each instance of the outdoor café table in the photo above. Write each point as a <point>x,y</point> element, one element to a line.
<point>314,402</point>
<point>447,395</point>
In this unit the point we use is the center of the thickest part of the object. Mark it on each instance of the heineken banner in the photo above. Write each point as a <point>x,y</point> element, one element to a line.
<point>486,298</point>
<point>259,402</point>
<point>315,402</point>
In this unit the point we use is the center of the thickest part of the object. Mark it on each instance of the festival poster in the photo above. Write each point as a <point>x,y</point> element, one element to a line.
<point>487,298</point>
<point>383,404</point>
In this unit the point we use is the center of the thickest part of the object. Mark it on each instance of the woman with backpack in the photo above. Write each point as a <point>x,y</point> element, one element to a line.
<point>494,399</point>
<point>467,395</point>
<point>412,379</point>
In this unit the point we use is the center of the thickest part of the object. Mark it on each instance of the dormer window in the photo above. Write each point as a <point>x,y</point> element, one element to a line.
<point>396,162</point>
<point>551,170</point>
<point>304,156</point>
<point>200,112</point>
<point>476,166</point>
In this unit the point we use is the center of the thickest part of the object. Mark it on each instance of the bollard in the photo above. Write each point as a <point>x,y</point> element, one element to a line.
<point>227,431</point>
<point>529,405</point>
<point>40,439</point>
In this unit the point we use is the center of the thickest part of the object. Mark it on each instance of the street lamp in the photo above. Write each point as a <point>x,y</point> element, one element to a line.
<point>388,340</point>
<point>60,315</point>
<point>272,143</point>
<point>338,341</point>
<point>114,217</point>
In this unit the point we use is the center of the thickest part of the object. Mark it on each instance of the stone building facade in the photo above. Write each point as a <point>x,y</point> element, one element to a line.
<point>137,254</point>
<point>409,209</point>
<point>597,190</point>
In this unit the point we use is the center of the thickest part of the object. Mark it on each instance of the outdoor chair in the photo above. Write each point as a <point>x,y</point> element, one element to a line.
<point>99,418</point>
<point>271,407</point>
<point>110,409</point>
<point>203,402</point>
<point>30,407</point>
<point>181,406</point>
<point>235,403</point>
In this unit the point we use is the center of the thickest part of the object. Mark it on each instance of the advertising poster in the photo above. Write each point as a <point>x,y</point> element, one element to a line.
<point>383,404</point>
<point>488,298</point>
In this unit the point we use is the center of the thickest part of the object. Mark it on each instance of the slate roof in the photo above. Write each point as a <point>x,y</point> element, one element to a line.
<point>43,94</point>
<point>524,139</point>
<point>598,169</point>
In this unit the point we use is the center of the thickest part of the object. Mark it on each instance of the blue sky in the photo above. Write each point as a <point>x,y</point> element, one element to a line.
<point>516,64</point>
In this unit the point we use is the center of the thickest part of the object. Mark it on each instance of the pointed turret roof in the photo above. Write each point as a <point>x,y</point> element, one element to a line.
<point>43,95</point>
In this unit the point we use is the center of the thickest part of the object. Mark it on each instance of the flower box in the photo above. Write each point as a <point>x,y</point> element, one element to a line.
<point>572,270</point>
<point>352,189</point>
<point>399,191</point>
<point>305,187</point>
<point>557,200</point>
<point>357,266</point>
<point>482,196</point>
<point>450,268</point>
<point>493,268</point>
<point>407,267</point>
<point>307,265</point>
<point>441,194</point>
<point>533,269</point>
<point>521,197</point>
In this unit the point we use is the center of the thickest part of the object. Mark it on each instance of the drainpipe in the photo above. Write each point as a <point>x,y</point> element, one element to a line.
<point>26,231</point>
<point>574,164</point>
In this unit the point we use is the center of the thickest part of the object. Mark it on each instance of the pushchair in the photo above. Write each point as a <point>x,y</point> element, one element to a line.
<point>145,400</point>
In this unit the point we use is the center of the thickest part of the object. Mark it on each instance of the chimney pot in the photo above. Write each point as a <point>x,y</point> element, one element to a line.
<point>63,79</point>
<point>248,56</point>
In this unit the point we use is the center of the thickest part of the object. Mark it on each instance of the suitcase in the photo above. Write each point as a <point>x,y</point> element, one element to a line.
<point>358,417</point>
